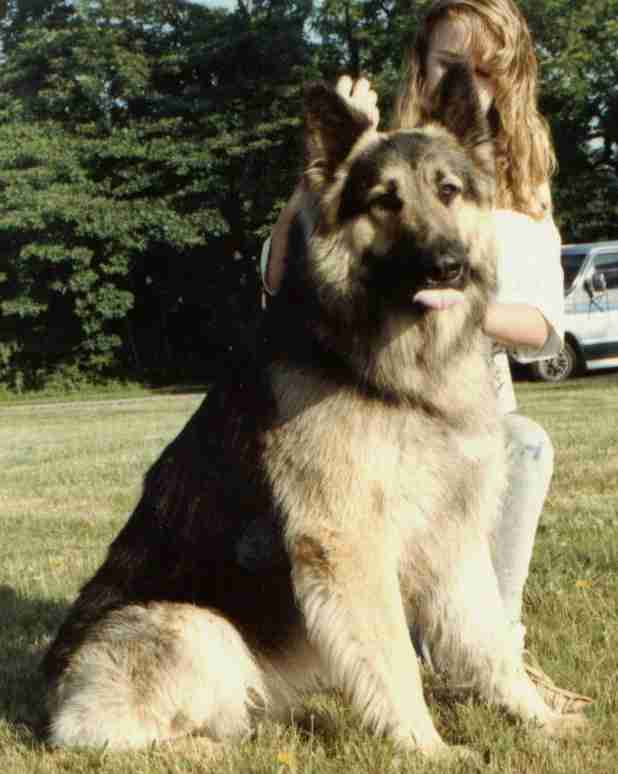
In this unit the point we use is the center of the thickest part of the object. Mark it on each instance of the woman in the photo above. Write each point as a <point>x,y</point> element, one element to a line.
<point>527,315</point>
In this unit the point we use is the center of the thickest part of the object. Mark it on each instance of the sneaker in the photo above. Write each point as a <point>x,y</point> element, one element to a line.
<point>560,699</point>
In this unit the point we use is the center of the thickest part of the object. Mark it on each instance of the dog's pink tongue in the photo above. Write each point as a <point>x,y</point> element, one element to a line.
<point>438,299</point>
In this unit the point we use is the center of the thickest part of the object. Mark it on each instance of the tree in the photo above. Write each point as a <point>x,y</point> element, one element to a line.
<point>578,49</point>
<point>367,37</point>
<point>146,147</point>
<point>132,176</point>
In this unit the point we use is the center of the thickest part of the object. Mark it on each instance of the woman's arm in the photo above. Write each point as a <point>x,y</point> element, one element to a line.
<point>275,266</point>
<point>527,315</point>
<point>516,325</point>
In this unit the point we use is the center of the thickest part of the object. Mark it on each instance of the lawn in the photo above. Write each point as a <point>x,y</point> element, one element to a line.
<point>70,473</point>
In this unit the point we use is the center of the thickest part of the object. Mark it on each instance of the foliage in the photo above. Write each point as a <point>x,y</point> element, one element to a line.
<point>146,148</point>
<point>366,37</point>
<point>579,57</point>
<point>133,152</point>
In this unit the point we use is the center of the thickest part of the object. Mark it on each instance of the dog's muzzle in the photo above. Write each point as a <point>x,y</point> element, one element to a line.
<point>432,276</point>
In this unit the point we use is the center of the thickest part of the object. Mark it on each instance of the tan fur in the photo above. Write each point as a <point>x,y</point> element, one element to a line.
<point>383,480</point>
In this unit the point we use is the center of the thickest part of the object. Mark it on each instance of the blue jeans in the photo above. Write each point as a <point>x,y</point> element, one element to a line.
<point>531,465</point>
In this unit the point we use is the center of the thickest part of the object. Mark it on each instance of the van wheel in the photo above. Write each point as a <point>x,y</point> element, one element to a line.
<point>557,368</point>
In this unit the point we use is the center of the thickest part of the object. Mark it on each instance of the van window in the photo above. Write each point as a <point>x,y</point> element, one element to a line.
<point>608,264</point>
<point>571,264</point>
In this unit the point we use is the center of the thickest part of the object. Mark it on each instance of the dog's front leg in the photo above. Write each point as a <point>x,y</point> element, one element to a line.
<point>351,602</point>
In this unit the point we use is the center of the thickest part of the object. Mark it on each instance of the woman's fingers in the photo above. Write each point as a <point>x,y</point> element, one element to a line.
<point>343,86</point>
<point>360,94</point>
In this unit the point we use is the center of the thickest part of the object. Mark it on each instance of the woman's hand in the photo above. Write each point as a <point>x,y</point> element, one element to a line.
<point>360,94</point>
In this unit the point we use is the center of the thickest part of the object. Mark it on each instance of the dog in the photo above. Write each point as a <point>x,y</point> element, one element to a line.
<point>335,493</point>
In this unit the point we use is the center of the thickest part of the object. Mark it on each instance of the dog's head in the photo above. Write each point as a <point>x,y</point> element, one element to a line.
<point>398,251</point>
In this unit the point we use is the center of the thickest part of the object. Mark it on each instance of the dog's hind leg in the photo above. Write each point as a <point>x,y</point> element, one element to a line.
<point>465,630</point>
<point>355,619</point>
<point>153,674</point>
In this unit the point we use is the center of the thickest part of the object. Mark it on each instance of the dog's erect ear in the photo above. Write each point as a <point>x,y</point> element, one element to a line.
<point>332,127</point>
<point>456,106</point>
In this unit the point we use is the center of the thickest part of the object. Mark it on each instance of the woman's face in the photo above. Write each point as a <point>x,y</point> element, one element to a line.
<point>448,44</point>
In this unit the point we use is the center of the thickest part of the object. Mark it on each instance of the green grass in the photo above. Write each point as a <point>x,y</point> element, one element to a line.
<point>70,473</point>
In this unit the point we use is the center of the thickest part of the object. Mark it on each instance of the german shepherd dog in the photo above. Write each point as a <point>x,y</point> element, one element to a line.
<point>339,491</point>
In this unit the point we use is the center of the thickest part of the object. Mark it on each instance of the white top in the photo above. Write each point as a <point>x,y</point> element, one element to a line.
<point>529,272</point>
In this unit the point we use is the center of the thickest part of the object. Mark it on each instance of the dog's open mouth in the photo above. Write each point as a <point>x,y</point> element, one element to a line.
<point>438,298</point>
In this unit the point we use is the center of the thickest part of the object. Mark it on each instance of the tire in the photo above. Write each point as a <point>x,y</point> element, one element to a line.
<point>558,368</point>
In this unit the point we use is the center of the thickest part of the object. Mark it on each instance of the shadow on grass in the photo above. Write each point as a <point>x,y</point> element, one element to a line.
<point>27,625</point>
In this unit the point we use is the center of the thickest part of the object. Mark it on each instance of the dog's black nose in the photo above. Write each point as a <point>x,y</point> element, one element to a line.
<point>446,270</point>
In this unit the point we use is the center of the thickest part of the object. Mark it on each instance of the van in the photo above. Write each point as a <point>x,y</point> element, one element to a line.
<point>591,307</point>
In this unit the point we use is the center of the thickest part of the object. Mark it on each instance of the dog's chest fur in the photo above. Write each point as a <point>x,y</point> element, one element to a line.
<point>345,464</point>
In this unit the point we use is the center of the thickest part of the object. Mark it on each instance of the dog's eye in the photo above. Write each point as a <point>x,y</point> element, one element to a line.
<point>386,201</point>
<point>448,190</point>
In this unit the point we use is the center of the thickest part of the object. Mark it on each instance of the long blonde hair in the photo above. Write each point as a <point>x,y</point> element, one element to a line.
<point>498,33</point>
